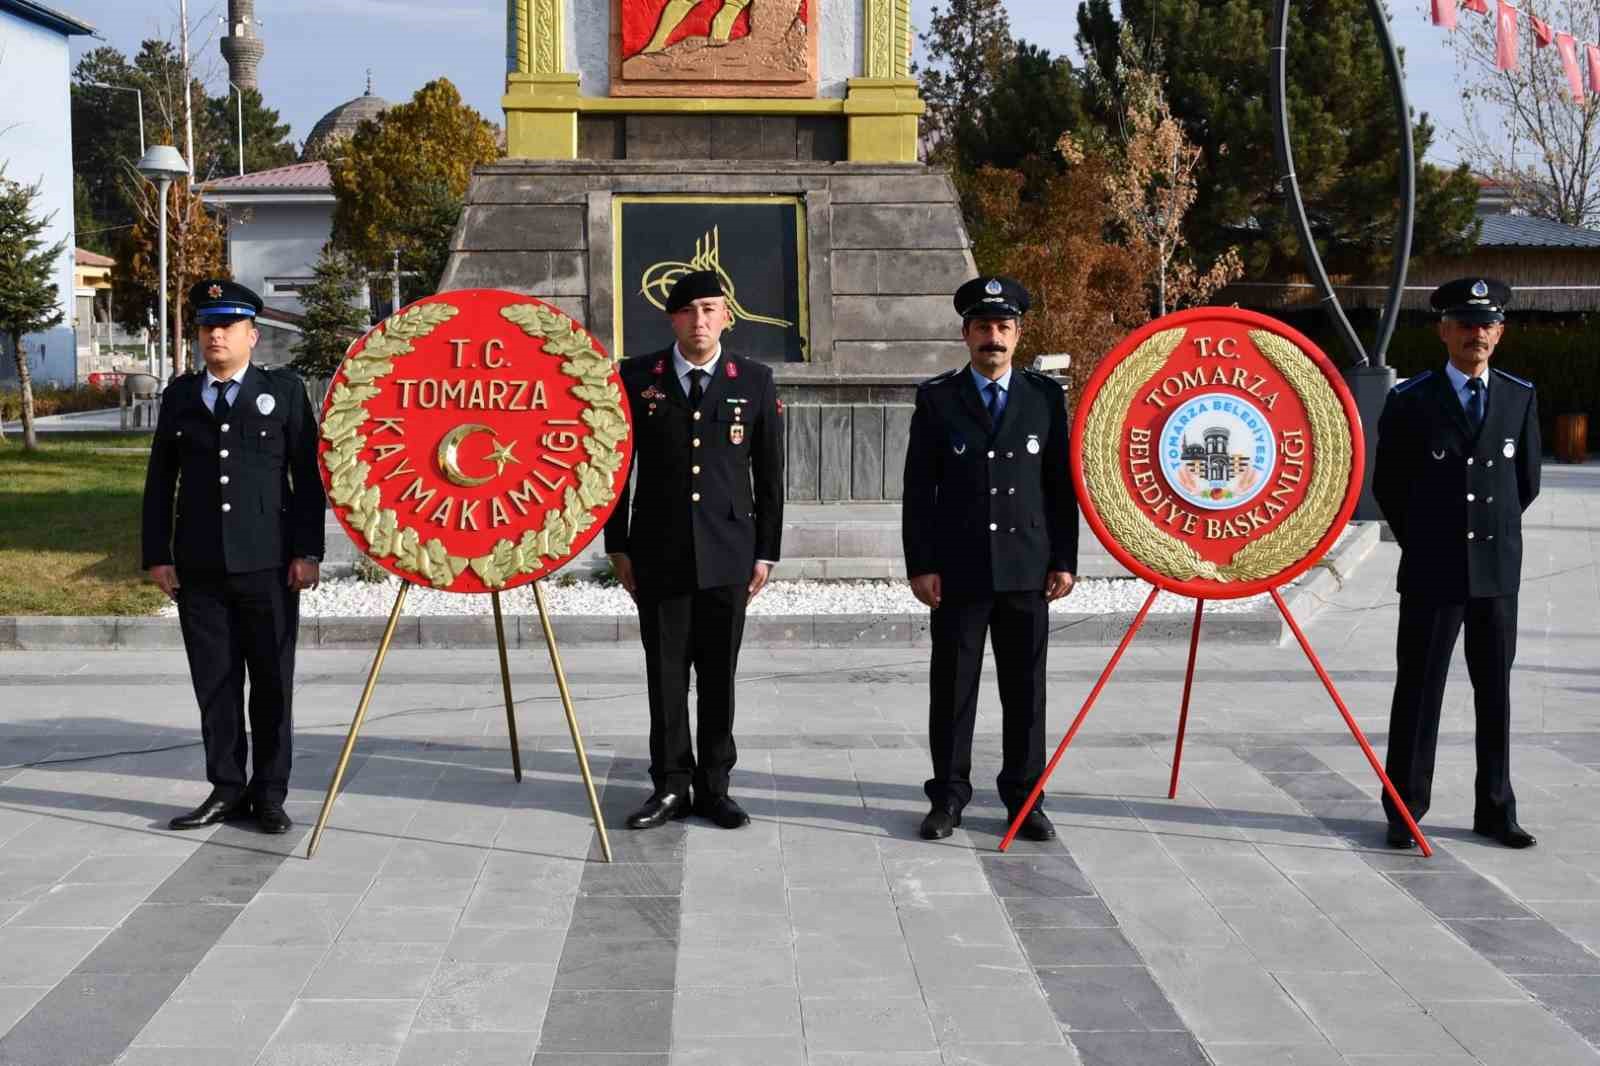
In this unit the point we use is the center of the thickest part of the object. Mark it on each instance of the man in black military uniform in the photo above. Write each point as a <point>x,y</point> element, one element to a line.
<point>1457,464</point>
<point>698,541</point>
<point>233,513</point>
<point>990,526</point>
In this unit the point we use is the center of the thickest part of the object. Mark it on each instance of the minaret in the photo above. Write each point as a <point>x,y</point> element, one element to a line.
<point>240,46</point>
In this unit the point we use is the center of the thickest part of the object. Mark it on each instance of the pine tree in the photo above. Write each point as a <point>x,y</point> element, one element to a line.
<point>335,315</point>
<point>29,300</point>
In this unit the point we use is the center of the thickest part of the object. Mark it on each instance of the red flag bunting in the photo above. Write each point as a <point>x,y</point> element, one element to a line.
<point>1444,13</point>
<point>1505,36</point>
<point>1594,67</point>
<point>1480,6</point>
<point>1542,34</point>
<point>1568,48</point>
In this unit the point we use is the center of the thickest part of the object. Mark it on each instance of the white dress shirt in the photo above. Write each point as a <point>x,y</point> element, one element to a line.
<point>1458,382</point>
<point>208,392</point>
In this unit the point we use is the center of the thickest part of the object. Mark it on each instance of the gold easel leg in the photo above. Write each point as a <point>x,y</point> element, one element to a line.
<point>355,723</point>
<point>572,719</point>
<point>505,682</point>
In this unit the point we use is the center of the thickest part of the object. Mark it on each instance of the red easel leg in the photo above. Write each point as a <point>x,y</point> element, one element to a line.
<point>1094,693</point>
<point>1183,715</point>
<point>1349,720</point>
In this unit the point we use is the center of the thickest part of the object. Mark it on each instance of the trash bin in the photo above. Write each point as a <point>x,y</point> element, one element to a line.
<point>1572,438</point>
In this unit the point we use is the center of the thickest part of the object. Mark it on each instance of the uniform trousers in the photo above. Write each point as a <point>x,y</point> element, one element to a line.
<point>1425,643</point>
<point>1019,626</point>
<point>236,625</point>
<point>702,628</point>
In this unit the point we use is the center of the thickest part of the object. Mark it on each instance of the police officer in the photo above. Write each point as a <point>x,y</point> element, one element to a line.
<point>990,527</point>
<point>1457,464</point>
<point>698,541</point>
<point>233,513</point>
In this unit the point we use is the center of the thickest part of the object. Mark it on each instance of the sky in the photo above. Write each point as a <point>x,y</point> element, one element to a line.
<point>318,51</point>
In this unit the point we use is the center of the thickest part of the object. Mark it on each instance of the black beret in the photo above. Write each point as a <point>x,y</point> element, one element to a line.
<point>695,285</point>
<point>1472,300</point>
<point>992,296</point>
<point>216,300</point>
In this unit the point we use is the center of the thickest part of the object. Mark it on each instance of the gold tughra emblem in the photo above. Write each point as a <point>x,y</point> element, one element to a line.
<point>659,278</point>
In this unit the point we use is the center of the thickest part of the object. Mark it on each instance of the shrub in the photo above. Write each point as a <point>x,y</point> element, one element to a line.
<point>53,400</point>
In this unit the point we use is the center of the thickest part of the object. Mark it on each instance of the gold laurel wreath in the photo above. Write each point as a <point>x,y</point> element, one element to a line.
<point>431,561</point>
<point>1329,454</point>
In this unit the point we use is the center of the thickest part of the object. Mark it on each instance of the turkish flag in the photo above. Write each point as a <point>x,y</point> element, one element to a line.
<point>1480,6</point>
<point>1444,13</point>
<point>1594,67</point>
<point>1505,36</point>
<point>1569,62</point>
<point>1542,34</point>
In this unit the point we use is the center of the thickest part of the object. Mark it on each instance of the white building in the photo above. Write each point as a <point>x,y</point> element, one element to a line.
<point>36,146</point>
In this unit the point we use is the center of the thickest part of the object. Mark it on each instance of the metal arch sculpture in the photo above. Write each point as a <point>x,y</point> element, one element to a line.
<point>1296,204</point>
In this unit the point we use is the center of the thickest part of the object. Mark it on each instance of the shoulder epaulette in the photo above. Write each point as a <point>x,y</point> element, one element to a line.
<point>1042,378</point>
<point>1514,379</point>
<point>1412,382</point>
<point>939,378</point>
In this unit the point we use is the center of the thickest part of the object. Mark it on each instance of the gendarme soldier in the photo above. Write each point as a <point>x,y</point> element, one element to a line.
<point>694,538</point>
<point>1457,464</point>
<point>990,527</point>
<point>233,531</point>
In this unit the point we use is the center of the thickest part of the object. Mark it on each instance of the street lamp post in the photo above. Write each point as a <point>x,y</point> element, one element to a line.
<point>139,98</point>
<point>238,94</point>
<point>161,165</point>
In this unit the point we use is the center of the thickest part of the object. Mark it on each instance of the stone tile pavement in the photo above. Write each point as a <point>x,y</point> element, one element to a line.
<point>453,916</point>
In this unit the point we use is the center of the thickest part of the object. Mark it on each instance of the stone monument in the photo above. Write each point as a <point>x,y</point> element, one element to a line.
<point>772,140</point>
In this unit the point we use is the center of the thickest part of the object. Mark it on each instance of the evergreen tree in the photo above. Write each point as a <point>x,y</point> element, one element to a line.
<point>266,140</point>
<point>335,314</point>
<point>30,301</point>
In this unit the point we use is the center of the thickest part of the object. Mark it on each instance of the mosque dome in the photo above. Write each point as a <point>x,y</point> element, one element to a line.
<point>340,123</point>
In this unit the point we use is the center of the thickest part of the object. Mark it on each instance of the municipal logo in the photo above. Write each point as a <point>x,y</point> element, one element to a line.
<point>1218,451</point>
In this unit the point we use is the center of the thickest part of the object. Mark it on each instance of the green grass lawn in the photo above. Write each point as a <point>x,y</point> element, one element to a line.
<point>69,525</point>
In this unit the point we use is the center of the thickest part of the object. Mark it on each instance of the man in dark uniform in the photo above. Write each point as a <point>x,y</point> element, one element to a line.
<point>990,526</point>
<point>699,540</point>
<point>1457,464</point>
<point>233,513</point>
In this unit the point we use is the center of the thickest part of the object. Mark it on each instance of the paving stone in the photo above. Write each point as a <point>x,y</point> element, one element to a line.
<point>160,938</point>
<point>1526,947</point>
<point>248,1024</point>
<point>498,997</point>
<point>1274,1055</point>
<point>487,944</point>
<point>991,1016</point>
<point>736,1051</point>
<point>1108,998</point>
<point>1046,913</point>
<point>359,969</point>
<point>82,906</point>
<point>289,921</point>
<point>624,918</point>
<point>1575,1000</point>
<point>595,1021</point>
<point>1514,1032</point>
<point>882,1024</point>
<point>820,912</point>
<point>733,966</point>
<point>964,919</point>
<point>42,955</point>
<point>1464,895</point>
<point>947,964</point>
<point>280,1054</point>
<point>618,964</point>
<point>595,1058</point>
<point>87,1018</point>
<point>760,1012</point>
<point>1138,1049</point>
<point>1035,876</point>
<point>1363,1015</point>
<point>188,1056</point>
<point>228,974</point>
<point>468,1049</point>
<point>633,879</point>
<point>1077,947</point>
<point>872,965</point>
<point>1222,994</point>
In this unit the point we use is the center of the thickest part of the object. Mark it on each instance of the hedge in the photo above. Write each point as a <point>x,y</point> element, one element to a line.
<point>53,400</point>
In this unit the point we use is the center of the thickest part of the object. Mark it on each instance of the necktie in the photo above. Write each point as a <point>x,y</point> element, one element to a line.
<point>993,389</point>
<point>1475,401</point>
<point>697,386</point>
<point>221,407</point>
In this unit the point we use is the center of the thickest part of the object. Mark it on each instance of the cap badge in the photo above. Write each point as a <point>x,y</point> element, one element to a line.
<point>215,292</point>
<point>1479,289</point>
<point>993,288</point>
<point>265,403</point>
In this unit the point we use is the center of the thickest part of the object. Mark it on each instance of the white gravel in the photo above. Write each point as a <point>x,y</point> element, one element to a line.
<point>348,597</point>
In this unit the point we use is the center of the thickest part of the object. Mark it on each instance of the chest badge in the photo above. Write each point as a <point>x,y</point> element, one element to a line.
<point>1033,444</point>
<point>653,393</point>
<point>736,433</point>
<point>265,403</point>
<point>1510,448</point>
<point>958,444</point>
<point>1438,454</point>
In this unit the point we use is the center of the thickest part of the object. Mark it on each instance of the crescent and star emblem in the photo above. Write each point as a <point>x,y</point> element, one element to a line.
<point>449,455</point>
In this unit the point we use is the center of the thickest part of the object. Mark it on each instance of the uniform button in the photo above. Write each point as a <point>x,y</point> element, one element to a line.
<point>1009,454</point>
<point>994,492</point>
<point>697,416</point>
<point>1489,537</point>
<point>694,469</point>
<point>1013,529</point>
<point>991,455</point>
<point>695,496</point>
<point>1470,497</point>
<point>224,427</point>
<point>993,527</point>
<point>697,442</point>
<point>1489,500</point>
<point>1470,534</point>
<point>1489,463</point>
<point>223,453</point>
<point>227,507</point>
<point>223,479</point>
<point>1469,460</point>
<point>1011,492</point>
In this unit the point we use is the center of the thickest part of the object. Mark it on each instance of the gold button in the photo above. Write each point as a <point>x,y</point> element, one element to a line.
<point>223,453</point>
<point>697,416</point>
<point>694,470</point>
<point>227,507</point>
<point>697,442</point>
<point>223,479</point>
<point>695,497</point>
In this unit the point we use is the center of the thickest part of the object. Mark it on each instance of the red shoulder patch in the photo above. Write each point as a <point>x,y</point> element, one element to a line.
<point>660,367</point>
<point>731,370</point>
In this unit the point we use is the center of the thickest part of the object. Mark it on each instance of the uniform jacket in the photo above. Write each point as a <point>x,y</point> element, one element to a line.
<point>706,497</point>
<point>1454,499</point>
<point>989,511</point>
<point>240,495</point>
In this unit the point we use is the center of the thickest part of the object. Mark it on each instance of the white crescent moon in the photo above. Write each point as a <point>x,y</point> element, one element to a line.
<point>449,457</point>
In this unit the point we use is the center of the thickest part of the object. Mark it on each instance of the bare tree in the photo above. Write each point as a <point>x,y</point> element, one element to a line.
<point>1523,129</point>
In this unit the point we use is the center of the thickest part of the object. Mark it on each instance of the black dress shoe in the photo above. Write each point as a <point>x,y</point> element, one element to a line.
<point>941,821</point>
<point>215,809</point>
<point>1399,837</point>
<point>723,811</point>
<point>271,818</point>
<point>1511,835</point>
<point>1036,826</point>
<point>659,809</point>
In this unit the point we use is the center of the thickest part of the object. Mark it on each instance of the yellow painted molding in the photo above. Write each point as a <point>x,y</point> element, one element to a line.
<point>882,120</point>
<point>541,116</point>
<point>546,43</point>
<point>887,26</point>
